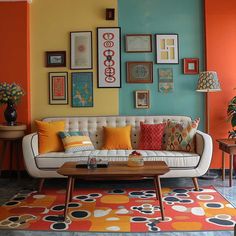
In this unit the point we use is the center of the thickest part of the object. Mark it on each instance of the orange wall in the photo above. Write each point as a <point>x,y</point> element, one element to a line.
<point>14,52</point>
<point>221,57</point>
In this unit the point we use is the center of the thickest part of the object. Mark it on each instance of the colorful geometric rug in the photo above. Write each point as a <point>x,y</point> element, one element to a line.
<point>119,210</point>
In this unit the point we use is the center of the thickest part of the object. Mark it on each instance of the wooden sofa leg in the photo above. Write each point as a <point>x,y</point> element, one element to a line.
<point>41,182</point>
<point>195,182</point>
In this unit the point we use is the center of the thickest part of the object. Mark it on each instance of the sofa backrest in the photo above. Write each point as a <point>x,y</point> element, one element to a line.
<point>93,125</point>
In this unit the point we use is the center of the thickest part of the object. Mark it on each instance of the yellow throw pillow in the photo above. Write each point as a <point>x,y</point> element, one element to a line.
<point>49,140</point>
<point>117,138</point>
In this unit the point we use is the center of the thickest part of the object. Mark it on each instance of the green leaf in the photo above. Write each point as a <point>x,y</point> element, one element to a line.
<point>233,121</point>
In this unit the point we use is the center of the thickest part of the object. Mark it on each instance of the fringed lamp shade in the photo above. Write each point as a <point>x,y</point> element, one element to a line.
<point>208,82</point>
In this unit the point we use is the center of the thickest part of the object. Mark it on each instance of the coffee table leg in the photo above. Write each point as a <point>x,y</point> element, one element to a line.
<point>223,166</point>
<point>68,193</point>
<point>157,183</point>
<point>72,188</point>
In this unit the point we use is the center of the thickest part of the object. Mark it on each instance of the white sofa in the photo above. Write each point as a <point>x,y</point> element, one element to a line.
<point>182,164</point>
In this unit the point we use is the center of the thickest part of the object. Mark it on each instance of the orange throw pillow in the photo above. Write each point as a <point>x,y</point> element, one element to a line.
<point>117,138</point>
<point>49,140</point>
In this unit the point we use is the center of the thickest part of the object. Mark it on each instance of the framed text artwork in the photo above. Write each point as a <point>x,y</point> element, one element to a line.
<point>139,71</point>
<point>56,59</point>
<point>58,88</point>
<point>190,66</point>
<point>166,84</point>
<point>82,89</point>
<point>81,50</point>
<point>109,66</point>
<point>142,99</point>
<point>167,49</point>
<point>138,43</point>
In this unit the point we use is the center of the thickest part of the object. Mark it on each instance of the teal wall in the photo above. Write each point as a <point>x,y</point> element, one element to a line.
<point>184,17</point>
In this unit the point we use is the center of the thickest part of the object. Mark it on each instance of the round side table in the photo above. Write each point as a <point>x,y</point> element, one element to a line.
<point>12,136</point>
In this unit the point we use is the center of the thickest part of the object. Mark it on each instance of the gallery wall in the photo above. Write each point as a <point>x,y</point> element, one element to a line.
<point>183,17</point>
<point>51,23</point>
<point>220,54</point>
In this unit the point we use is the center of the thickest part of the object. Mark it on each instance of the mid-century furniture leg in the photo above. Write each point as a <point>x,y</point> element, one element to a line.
<point>195,182</point>
<point>41,182</point>
<point>231,170</point>
<point>11,157</point>
<point>68,193</point>
<point>157,183</point>
<point>18,159</point>
<point>223,165</point>
<point>72,188</point>
<point>4,148</point>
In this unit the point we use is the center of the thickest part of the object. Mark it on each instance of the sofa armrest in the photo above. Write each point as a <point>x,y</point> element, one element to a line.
<point>204,147</point>
<point>30,151</point>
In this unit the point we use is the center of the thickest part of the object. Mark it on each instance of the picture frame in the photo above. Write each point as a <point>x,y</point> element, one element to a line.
<point>58,88</point>
<point>191,66</point>
<point>82,89</point>
<point>81,52</point>
<point>166,81</point>
<point>139,72</point>
<point>138,43</point>
<point>167,48</point>
<point>109,57</point>
<point>55,58</point>
<point>142,99</point>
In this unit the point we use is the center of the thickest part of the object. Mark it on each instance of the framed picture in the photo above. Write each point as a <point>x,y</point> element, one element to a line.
<point>166,84</point>
<point>142,99</point>
<point>138,43</point>
<point>139,71</point>
<point>56,59</point>
<point>190,66</point>
<point>81,56</point>
<point>58,88</point>
<point>109,66</point>
<point>167,49</point>
<point>82,89</point>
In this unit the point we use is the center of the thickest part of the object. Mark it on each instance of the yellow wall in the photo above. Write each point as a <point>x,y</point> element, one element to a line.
<point>51,22</point>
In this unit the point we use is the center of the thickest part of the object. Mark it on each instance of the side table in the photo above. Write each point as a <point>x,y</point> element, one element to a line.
<point>227,146</point>
<point>11,136</point>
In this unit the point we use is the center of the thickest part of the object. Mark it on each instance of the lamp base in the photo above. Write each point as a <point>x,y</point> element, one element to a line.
<point>209,175</point>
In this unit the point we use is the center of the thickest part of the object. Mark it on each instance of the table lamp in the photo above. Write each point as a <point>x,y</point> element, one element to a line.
<point>208,82</point>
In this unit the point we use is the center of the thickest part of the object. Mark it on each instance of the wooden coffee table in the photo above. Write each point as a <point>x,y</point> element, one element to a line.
<point>115,170</point>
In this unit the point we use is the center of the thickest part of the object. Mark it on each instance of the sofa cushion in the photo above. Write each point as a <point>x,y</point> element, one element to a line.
<point>117,137</point>
<point>173,159</point>
<point>151,136</point>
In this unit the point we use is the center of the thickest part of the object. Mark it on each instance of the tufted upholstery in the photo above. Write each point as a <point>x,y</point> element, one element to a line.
<point>94,125</point>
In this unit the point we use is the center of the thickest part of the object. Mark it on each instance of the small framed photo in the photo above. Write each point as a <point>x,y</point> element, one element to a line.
<point>167,49</point>
<point>58,88</point>
<point>139,71</point>
<point>142,99</point>
<point>81,57</point>
<point>138,43</point>
<point>82,89</point>
<point>191,66</point>
<point>56,59</point>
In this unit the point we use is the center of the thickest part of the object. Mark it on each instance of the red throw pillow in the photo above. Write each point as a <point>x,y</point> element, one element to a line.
<point>151,136</point>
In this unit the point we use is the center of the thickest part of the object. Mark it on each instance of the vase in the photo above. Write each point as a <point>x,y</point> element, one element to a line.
<point>10,114</point>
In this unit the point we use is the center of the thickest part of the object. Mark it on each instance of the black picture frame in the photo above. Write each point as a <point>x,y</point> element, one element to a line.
<point>55,58</point>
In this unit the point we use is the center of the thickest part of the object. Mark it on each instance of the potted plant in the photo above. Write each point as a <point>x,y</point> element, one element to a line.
<point>10,94</point>
<point>231,112</point>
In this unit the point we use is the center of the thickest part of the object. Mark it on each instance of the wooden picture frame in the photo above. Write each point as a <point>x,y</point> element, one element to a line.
<point>109,57</point>
<point>142,99</point>
<point>55,58</point>
<point>139,72</point>
<point>58,88</point>
<point>81,52</point>
<point>82,89</point>
<point>140,43</point>
<point>191,66</point>
<point>167,48</point>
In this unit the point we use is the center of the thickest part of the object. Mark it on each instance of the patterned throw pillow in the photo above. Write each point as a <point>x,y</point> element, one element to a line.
<point>151,136</point>
<point>181,138</point>
<point>75,142</point>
